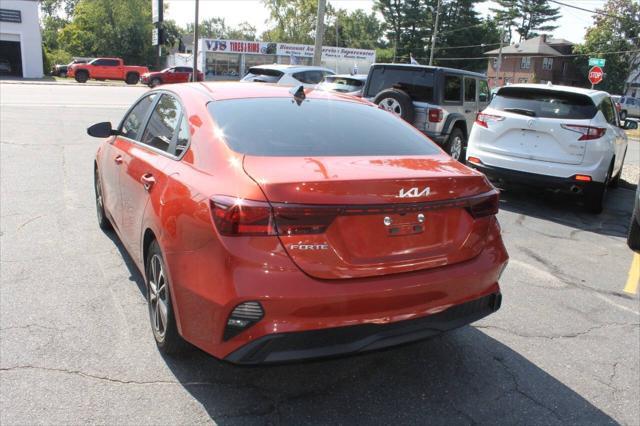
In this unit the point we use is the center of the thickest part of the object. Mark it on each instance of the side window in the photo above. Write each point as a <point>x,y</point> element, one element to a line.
<point>163,124</point>
<point>452,88</point>
<point>483,93</point>
<point>606,106</point>
<point>98,62</point>
<point>132,124</point>
<point>111,62</point>
<point>182,141</point>
<point>309,77</point>
<point>469,89</point>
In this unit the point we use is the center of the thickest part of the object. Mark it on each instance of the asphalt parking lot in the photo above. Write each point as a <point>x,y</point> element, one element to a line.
<point>76,346</point>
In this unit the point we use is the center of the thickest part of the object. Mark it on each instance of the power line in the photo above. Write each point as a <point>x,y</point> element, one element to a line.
<point>597,12</point>
<point>531,56</point>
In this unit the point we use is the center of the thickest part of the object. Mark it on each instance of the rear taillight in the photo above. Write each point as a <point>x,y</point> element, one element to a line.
<point>484,205</point>
<point>483,119</point>
<point>238,217</point>
<point>588,133</point>
<point>435,115</point>
<point>235,216</point>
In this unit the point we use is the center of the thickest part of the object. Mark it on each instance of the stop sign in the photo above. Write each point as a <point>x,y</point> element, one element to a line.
<point>595,75</point>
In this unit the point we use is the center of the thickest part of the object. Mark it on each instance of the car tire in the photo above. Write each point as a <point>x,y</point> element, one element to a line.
<point>456,145</point>
<point>397,102</point>
<point>82,76</point>
<point>633,237</point>
<point>103,222</point>
<point>623,115</point>
<point>596,194</point>
<point>155,82</point>
<point>164,328</point>
<point>132,78</point>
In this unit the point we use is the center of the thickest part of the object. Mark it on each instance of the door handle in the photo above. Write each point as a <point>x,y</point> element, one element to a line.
<point>147,181</point>
<point>467,111</point>
<point>118,159</point>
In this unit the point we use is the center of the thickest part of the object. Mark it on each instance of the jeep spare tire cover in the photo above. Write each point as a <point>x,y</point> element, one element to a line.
<point>398,102</point>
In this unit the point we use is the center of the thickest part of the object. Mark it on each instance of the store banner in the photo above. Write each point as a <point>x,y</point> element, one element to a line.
<point>284,49</point>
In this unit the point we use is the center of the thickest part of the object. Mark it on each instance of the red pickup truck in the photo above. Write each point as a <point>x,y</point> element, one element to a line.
<point>106,69</point>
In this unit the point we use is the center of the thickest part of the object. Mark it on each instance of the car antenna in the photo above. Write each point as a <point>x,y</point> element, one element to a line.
<point>298,94</point>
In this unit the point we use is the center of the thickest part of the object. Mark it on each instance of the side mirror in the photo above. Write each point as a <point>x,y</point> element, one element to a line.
<point>630,125</point>
<point>101,130</point>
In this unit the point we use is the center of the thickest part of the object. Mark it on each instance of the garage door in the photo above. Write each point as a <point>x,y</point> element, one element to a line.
<point>10,55</point>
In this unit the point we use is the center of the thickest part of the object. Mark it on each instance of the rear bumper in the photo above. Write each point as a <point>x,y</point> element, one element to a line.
<point>284,347</point>
<point>506,177</point>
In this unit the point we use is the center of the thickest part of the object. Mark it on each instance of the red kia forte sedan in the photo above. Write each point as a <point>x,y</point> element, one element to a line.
<point>273,225</point>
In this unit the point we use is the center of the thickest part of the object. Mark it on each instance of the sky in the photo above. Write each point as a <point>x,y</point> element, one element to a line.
<point>571,25</point>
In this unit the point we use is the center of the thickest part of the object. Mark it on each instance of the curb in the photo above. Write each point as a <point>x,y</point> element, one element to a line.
<point>70,83</point>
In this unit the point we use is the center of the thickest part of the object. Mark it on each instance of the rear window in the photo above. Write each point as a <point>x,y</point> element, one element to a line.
<point>544,103</point>
<point>341,84</point>
<point>317,127</point>
<point>264,75</point>
<point>418,83</point>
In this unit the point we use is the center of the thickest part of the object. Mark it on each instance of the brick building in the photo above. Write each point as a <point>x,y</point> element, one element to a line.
<point>537,60</point>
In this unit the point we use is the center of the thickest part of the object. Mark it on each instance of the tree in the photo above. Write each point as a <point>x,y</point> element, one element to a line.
<point>216,27</point>
<point>527,17</point>
<point>616,31</point>
<point>110,28</point>
<point>357,29</point>
<point>294,20</point>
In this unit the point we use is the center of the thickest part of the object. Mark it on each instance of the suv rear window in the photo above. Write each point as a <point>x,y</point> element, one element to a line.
<point>544,103</point>
<point>264,75</point>
<point>418,83</point>
<point>318,127</point>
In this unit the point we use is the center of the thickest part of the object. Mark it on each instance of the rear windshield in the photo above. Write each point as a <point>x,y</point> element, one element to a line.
<point>341,84</point>
<point>264,75</point>
<point>273,127</point>
<point>544,103</point>
<point>418,83</point>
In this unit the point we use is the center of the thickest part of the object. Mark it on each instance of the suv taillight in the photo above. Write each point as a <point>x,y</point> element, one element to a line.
<point>588,133</point>
<point>483,119</point>
<point>238,217</point>
<point>435,115</point>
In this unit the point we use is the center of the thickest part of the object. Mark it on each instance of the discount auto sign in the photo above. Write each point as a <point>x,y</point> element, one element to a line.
<point>595,75</point>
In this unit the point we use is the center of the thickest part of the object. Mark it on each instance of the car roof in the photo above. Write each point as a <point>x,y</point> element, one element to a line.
<point>451,70</point>
<point>361,77</point>
<point>589,92</point>
<point>221,90</point>
<point>291,68</point>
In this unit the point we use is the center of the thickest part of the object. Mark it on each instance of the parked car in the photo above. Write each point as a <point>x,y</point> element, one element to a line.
<point>287,75</point>
<point>344,83</point>
<point>61,70</point>
<point>560,137</point>
<point>616,103</point>
<point>169,75</point>
<point>440,102</point>
<point>288,238</point>
<point>633,239</point>
<point>5,66</point>
<point>106,69</point>
<point>629,107</point>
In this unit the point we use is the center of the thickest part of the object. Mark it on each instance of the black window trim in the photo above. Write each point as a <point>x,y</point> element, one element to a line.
<point>464,89</point>
<point>145,123</point>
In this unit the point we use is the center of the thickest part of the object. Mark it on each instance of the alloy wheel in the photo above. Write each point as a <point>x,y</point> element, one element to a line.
<point>158,296</point>
<point>391,105</point>
<point>99,201</point>
<point>456,148</point>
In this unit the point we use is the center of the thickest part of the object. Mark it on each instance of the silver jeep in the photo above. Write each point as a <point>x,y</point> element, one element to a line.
<point>440,102</point>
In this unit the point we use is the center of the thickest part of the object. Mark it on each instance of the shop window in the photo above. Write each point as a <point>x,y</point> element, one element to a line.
<point>222,65</point>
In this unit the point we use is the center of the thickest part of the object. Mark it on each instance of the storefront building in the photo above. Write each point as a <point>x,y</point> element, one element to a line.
<point>231,59</point>
<point>20,40</point>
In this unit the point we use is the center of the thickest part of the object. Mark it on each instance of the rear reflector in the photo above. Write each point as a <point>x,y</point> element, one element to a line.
<point>435,115</point>
<point>588,133</point>
<point>483,119</point>
<point>242,317</point>
<point>238,217</point>
<point>582,178</point>
<point>474,160</point>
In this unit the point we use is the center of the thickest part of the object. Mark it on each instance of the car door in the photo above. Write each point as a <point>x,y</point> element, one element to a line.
<point>110,69</point>
<point>470,103</point>
<point>172,76</point>
<point>143,177</point>
<point>484,95</point>
<point>182,74</point>
<point>617,135</point>
<point>112,160</point>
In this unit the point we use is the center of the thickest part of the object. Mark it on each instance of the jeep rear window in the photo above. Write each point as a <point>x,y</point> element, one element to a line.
<point>274,127</point>
<point>418,83</point>
<point>544,103</point>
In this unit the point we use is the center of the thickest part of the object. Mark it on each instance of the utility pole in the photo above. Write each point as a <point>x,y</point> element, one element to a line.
<point>502,34</point>
<point>434,34</point>
<point>337,44</point>
<point>195,44</point>
<point>317,51</point>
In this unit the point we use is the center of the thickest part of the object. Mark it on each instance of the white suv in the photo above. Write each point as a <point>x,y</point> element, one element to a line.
<point>558,137</point>
<point>287,75</point>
